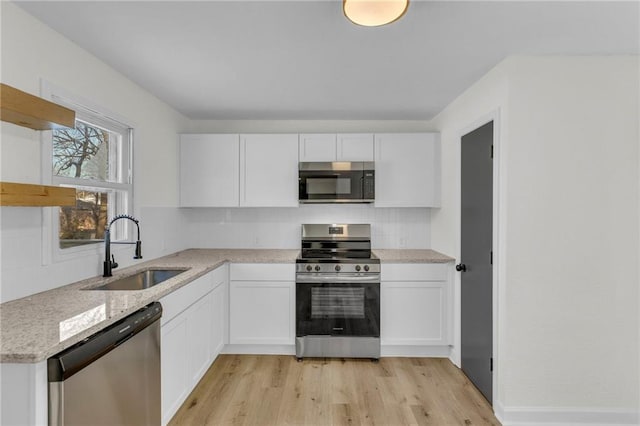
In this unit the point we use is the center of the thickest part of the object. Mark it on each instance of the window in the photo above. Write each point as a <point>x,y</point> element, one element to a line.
<point>94,158</point>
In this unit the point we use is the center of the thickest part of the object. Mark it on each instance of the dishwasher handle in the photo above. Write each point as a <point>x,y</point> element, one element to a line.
<point>73,359</point>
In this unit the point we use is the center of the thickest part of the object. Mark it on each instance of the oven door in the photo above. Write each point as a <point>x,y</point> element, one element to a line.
<point>331,186</point>
<point>338,309</point>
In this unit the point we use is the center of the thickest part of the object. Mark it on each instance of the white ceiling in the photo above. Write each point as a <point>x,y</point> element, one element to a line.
<point>304,60</point>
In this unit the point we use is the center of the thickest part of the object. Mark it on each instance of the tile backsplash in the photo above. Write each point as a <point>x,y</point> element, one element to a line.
<point>26,271</point>
<point>280,227</point>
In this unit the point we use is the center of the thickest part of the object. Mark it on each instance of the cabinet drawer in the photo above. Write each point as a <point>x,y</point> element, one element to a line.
<point>182,298</point>
<point>414,271</point>
<point>263,272</point>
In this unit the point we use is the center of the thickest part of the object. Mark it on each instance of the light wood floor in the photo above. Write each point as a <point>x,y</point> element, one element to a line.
<point>277,390</point>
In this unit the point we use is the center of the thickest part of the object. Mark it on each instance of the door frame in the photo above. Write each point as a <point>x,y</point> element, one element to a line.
<point>498,243</point>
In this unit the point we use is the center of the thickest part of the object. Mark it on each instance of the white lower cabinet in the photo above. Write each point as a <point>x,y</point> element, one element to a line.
<point>415,306</point>
<point>173,366</point>
<point>192,336</point>
<point>262,304</point>
<point>199,337</point>
<point>219,327</point>
<point>24,390</point>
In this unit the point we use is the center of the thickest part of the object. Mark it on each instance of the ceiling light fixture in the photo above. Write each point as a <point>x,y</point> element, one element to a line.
<point>373,13</point>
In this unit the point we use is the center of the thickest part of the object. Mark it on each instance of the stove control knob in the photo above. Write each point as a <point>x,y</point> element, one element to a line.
<point>358,268</point>
<point>309,268</point>
<point>366,268</point>
<point>317,268</point>
<point>338,268</point>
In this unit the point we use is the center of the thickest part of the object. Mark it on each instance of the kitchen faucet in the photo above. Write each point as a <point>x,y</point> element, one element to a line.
<point>109,259</point>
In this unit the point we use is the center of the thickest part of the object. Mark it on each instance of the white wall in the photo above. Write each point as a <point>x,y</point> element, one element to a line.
<point>32,52</point>
<point>572,233</point>
<point>568,275</point>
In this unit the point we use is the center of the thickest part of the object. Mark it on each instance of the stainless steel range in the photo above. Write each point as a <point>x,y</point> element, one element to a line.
<point>337,293</point>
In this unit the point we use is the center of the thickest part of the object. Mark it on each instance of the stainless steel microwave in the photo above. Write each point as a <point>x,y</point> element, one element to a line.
<point>336,182</point>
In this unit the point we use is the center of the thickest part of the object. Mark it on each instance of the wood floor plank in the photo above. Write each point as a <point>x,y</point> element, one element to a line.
<point>291,410</point>
<point>265,390</point>
<point>345,415</point>
<point>368,394</point>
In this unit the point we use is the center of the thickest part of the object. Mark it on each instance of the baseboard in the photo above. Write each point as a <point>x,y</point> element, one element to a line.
<point>415,351</point>
<point>259,349</point>
<point>385,350</point>
<point>455,357</point>
<point>552,416</point>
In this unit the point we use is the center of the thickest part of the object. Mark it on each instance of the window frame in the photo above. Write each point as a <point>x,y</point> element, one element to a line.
<point>94,114</point>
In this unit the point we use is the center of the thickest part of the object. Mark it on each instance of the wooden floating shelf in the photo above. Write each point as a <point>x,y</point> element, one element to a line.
<point>33,112</point>
<point>28,195</point>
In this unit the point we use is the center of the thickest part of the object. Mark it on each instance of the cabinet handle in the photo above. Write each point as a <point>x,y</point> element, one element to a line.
<point>244,171</point>
<point>461,267</point>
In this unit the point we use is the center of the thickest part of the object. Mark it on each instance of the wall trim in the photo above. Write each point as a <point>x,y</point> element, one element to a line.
<point>575,416</point>
<point>251,349</point>
<point>418,351</point>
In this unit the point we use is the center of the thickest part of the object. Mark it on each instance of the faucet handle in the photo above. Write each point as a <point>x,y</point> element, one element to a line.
<point>114,264</point>
<point>138,254</point>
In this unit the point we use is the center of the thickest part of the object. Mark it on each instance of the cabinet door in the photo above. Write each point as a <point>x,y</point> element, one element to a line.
<point>199,337</point>
<point>413,313</point>
<point>174,361</point>
<point>269,170</point>
<point>218,317</point>
<point>407,170</point>
<point>354,147</point>
<point>261,312</point>
<point>209,170</point>
<point>317,147</point>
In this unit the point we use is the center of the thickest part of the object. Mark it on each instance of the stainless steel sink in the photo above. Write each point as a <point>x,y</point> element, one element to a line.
<point>143,279</point>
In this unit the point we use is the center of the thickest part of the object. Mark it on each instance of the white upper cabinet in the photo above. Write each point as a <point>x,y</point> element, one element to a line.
<point>218,170</point>
<point>407,170</point>
<point>269,170</point>
<point>209,170</point>
<point>332,147</point>
<point>261,170</point>
<point>354,147</point>
<point>317,147</point>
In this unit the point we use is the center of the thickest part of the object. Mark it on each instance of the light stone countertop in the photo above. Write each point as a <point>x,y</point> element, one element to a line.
<point>35,327</point>
<point>411,256</point>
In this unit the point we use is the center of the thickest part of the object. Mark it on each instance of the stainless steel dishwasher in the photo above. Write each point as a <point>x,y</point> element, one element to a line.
<point>110,378</point>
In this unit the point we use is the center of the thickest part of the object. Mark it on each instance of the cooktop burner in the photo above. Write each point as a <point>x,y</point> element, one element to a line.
<point>337,248</point>
<point>372,258</point>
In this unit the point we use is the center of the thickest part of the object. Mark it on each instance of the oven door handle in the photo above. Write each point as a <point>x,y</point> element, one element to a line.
<point>306,279</point>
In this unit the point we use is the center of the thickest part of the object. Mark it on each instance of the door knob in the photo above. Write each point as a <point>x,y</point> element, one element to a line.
<point>461,267</point>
